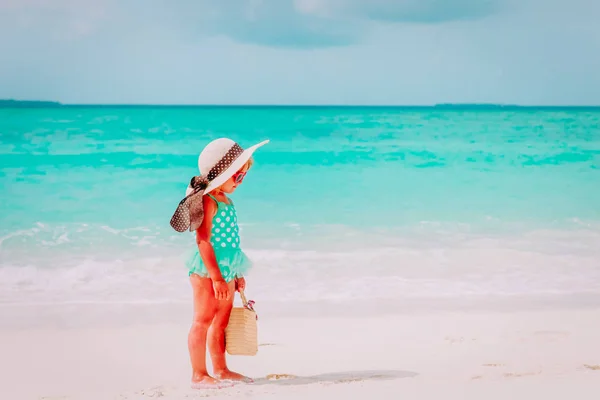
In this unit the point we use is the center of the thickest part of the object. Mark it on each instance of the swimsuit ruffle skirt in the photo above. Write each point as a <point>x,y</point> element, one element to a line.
<point>225,239</point>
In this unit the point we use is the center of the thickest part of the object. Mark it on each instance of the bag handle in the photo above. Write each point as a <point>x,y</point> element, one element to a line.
<point>243,296</point>
<point>247,304</point>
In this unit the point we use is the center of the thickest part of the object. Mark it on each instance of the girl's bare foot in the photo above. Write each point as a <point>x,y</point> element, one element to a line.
<point>232,376</point>
<point>208,382</point>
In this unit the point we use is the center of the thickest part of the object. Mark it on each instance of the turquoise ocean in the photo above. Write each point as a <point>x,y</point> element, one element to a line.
<point>344,203</point>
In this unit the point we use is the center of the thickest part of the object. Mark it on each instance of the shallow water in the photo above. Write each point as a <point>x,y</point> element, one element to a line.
<point>344,203</point>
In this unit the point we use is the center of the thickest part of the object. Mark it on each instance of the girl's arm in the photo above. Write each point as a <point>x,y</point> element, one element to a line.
<point>207,252</point>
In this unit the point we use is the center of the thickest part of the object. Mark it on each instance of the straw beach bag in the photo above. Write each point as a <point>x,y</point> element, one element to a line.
<point>241,336</point>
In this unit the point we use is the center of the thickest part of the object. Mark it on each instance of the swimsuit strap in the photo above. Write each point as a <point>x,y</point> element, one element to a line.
<point>220,202</point>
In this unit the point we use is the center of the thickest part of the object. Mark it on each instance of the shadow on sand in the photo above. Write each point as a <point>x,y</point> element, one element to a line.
<point>333,378</point>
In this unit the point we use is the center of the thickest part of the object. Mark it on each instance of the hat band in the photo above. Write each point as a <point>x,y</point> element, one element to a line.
<point>232,154</point>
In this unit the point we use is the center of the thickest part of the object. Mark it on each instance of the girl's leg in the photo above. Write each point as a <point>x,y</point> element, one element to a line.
<point>216,339</point>
<point>205,308</point>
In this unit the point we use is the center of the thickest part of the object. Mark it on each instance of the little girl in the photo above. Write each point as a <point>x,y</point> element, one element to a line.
<point>217,267</point>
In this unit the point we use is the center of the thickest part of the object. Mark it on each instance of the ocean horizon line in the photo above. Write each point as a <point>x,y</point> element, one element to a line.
<point>448,106</point>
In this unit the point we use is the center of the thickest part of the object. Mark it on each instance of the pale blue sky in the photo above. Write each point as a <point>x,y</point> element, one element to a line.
<point>301,51</point>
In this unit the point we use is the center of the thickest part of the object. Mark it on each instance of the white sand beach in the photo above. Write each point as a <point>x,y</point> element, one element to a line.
<point>535,353</point>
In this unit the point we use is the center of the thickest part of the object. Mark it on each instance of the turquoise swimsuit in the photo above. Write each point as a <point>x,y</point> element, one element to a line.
<point>225,239</point>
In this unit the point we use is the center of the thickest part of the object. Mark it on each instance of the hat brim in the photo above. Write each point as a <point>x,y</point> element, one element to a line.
<point>233,168</point>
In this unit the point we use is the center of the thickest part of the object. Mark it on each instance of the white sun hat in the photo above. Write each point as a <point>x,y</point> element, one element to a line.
<point>218,162</point>
<point>222,151</point>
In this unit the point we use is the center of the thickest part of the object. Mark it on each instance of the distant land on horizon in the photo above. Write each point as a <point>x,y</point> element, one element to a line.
<point>10,103</point>
<point>28,103</point>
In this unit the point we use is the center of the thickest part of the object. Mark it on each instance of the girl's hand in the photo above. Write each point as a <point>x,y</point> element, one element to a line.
<point>221,289</point>
<point>240,284</point>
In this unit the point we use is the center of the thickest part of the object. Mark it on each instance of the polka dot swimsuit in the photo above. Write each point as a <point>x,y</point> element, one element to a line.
<point>225,239</point>
<point>225,231</point>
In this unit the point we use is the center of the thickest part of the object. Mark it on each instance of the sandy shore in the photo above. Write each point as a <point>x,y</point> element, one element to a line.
<point>540,354</point>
